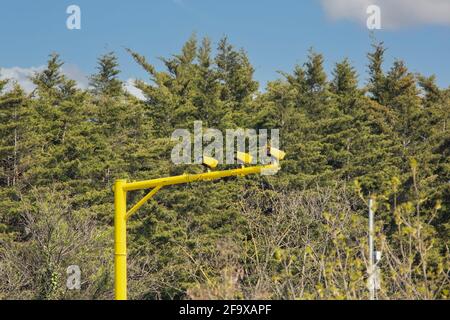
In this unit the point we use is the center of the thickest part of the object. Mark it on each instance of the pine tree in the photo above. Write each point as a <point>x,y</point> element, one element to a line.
<point>376,74</point>
<point>59,141</point>
<point>235,74</point>
<point>304,101</point>
<point>105,82</point>
<point>11,128</point>
<point>436,102</point>
<point>316,99</point>
<point>297,81</point>
<point>432,93</point>
<point>13,108</point>
<point>401,96</point>
<point>207,98</point>
<point>316,78</point>
<point>49,82</point>
<point>345,81</point>
<point>169,100</point>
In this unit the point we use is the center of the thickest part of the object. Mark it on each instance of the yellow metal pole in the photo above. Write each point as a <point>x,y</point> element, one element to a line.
<point>121,188</point>
<point>120,240</point>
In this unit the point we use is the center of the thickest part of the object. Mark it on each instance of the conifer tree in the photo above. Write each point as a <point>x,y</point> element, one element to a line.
<point>432,93</point>
<point>105,82</point>
<point>207,98</point>
<point>316,83</point>
<point>376,74</point>
<point>401,96</point>
<point>11,112</point>
<point>235,74</point>
<point>345,81</point>
<point>49,82</point>
<point>297,80</point>
<point>316,78</point>
<point>13,108</point>
<point>168,99</point>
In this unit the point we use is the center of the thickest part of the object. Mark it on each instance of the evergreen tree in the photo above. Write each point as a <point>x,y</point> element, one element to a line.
<point>345,81</point>
<point>105,82</point>
<point>401,96</point>
<point>235,74</point>
<point>316,103</point>
<point>207,99</point>
<point>11,112</point>
<point>13,108</point>
<point>169,100</point>
<point>316,78</point>
<point>376,74</point>
<point>49,82</point>
<point>432,93</point>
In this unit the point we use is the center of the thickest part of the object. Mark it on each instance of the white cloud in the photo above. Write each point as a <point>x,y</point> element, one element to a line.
<point>73,72</point>
<point>22,76</point>
<point>394,13</point>
<point>131,89</point>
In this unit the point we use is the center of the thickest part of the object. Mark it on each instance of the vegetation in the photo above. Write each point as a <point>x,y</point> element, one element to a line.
<point>299,235</point>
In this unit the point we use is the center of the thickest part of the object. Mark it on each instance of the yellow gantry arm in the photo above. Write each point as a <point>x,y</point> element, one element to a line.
<point>121,215</point>
<point>188,178</point>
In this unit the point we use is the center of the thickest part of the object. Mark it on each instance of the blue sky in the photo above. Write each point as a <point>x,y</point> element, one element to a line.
<point>275,34</point>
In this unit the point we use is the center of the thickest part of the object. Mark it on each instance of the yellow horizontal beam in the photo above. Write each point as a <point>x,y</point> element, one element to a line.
<point>188,178</point>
